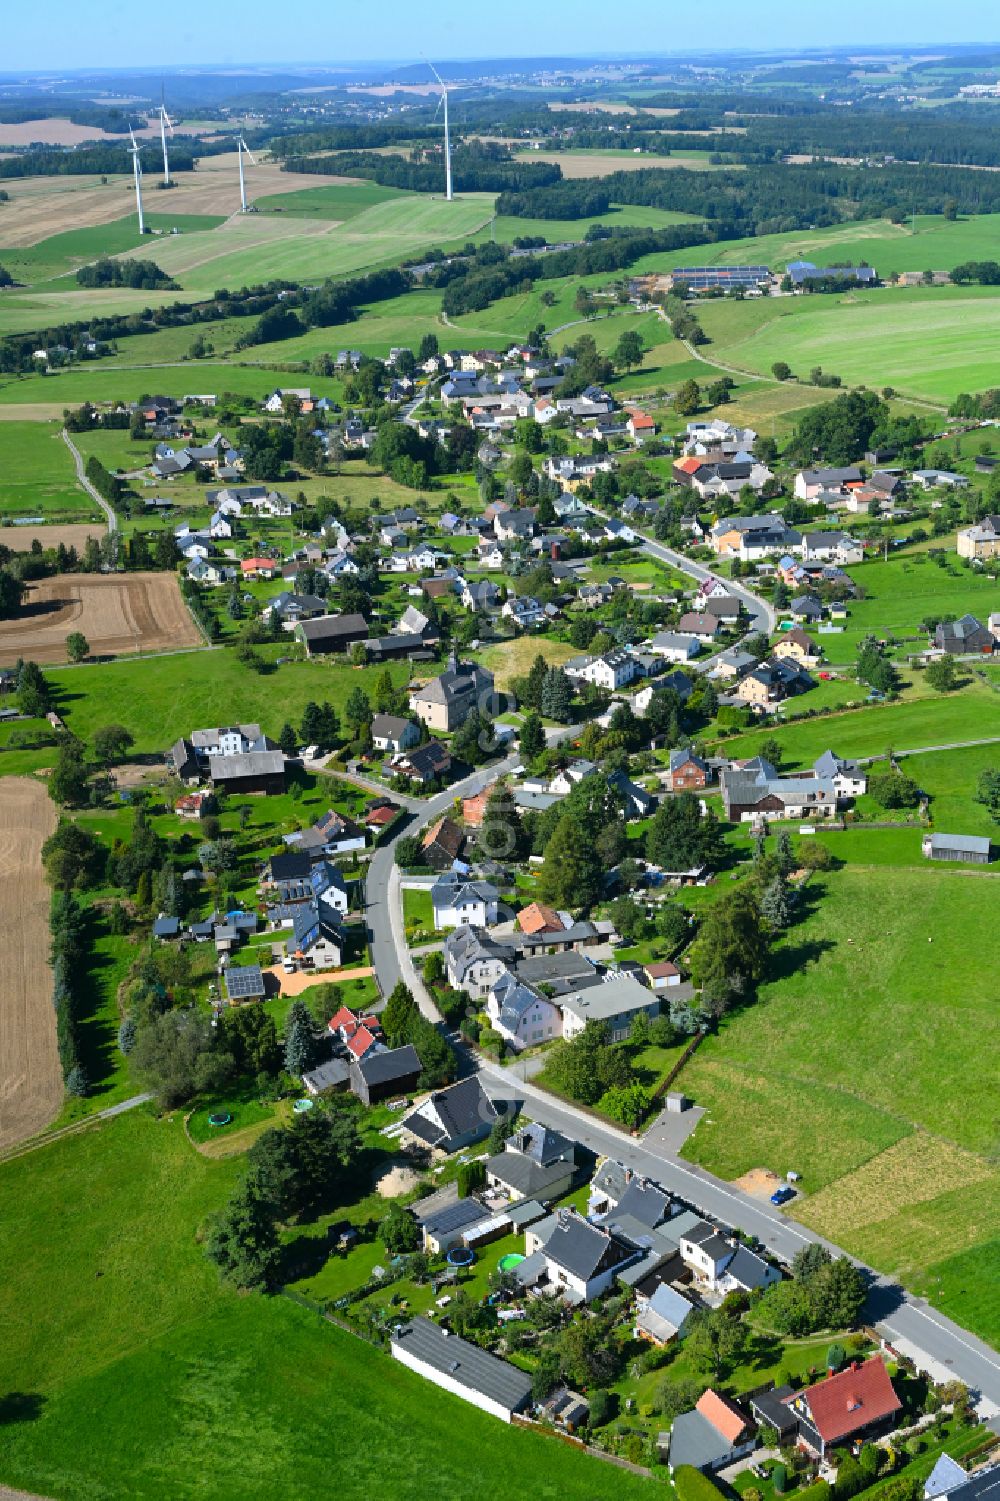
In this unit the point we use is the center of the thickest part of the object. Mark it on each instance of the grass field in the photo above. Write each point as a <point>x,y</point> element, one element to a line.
<point>575,164</point>
<point>61,254</point>
<point>929,342</point>
<point>621,216</point>
<point>259,247</point>
<point>37,477</point>
<point>973,713</point>
<point>337,201</point>
<point>860,1068</point>
<point>111,1308</point>
<point>160,698</point>
<point>511,659</point>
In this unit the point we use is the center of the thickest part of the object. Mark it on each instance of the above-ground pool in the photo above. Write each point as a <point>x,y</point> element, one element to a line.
<point>301,1106</point>
<point>509,1262</point>
<point>220,1118</point>
<point>461,1256</point>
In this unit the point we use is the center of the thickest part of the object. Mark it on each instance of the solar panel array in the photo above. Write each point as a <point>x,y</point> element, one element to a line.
<point>703,278</point>
<point>244,982</point>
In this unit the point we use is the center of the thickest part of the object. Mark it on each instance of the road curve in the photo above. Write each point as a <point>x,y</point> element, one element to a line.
<point>84,482</point>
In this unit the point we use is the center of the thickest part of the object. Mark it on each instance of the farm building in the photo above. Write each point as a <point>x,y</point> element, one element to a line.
<point>968,849</point>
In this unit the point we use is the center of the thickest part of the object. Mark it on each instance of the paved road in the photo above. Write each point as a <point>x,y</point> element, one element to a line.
<point>81,475</point>
<point>760,615</point>
<point>909,1323</point>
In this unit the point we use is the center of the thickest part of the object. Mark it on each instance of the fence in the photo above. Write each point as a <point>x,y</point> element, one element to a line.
<point>692,1047</point>
<point>520,1421</point>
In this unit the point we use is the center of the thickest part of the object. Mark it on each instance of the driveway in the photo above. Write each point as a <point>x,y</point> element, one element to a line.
<point>301,979</point>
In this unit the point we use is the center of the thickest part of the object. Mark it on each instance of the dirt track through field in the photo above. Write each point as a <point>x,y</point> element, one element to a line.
<point>31,1089</point>
<point>118,613</point>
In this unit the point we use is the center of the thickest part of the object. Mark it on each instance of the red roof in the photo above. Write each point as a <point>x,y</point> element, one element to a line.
<point>641,419</point>
<point>380,816</point>
<point>723,1415</point>
<point>362,1040</point>
<point>344,1018</point>
<point>535,918</point>
<point>252,565</point>
<point>661,969</point>
<point>688,466</point>
<point>852,1399</point>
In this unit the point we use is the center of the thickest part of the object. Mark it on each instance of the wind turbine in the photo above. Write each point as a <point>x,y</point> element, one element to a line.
<point>242,146</point>
<point>165,124</point>
<point>137,172</point>
<point>447,136</point>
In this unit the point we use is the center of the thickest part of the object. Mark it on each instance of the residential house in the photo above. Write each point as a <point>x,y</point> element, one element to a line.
<point>848,778</point>
<point>752,538</point>
<point>963,637</point>
<point>474,961</point>
<point>980,541</point>
<point>704,627</point>
<point>536,918</point>
<point>733,664</point>
<point>796,646</point>
<point>947,479</point>
<point>949,1482</point>
<point>857,1403</point>
<point>290,608</point>
<point>424,764</point>
<point>524,611</point>
<point>612,671</point>
<point>806,607</point>
<point>328,887</point>
<point>384,1073</point>
<point>357,1033</point>
<point>772,681</point>
<point>481,595</point>
<point>536,1163</point>
<point>521,1014</point>
<point>616,1002</point>
<point>811,483</point>
<point>442,844</point>
<point>687,772</point>
<point>464,1369</point>
<point>445,702</point>
<point>640,426</point>
<point>674,646</point>
<point>390,732</point>
<point>825,547</point>
<point>459,901</point>
<point>638,803</point>
<point>757,791</point>
<point>317,940</point>
<point>453,1118</point>
<point>568,1256</point>
<point>514,526</point>
<point>714,1434</point>
<point>259,568</point>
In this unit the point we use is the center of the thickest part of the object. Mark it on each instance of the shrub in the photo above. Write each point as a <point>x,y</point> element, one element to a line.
<point>779,1478</point>
<point>691,1485</point>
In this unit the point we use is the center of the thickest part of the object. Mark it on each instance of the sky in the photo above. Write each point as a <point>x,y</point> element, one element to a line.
<point>68,34</point>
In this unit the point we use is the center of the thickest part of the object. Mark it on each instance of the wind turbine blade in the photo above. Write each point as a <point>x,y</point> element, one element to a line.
<point>434,70</point>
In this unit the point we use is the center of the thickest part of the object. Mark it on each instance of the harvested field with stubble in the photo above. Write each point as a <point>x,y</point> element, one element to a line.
<point>75,534</point>
<point>119,615</point>
<point>31,1088</point>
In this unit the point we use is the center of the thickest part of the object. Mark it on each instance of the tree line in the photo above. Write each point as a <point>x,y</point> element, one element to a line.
<point>472,172</point>
<point>128,273</point>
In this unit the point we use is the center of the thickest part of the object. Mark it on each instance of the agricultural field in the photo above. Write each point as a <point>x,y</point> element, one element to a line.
<point>894,1139</point>
<point>122,614</point>
<point>37,478</point>
<point>618,216</point>
<point>117,1310</point>
<point>339,201</point>
<point>932,343</point>
<point>31,1086</point>
<point>59,255</point>
<point>257,248</point>
<point>576,164</point>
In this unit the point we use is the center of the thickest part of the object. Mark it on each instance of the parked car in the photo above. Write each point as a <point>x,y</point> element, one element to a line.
<point>782,1195</point>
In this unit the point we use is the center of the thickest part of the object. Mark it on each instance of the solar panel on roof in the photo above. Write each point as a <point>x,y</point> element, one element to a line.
<point>244,981</point>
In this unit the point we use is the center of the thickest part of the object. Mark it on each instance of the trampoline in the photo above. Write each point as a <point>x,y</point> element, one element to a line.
<point>509,1262</point>
<point>220,1118</point>
<point>460,1256</point>
<point>301,1106</point>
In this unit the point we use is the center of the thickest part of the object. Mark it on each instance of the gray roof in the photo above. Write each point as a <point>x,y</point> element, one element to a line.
<point>447,1115</point>
<point>665,1313</point>
<point>946,1476</point>
<point>385,1065</point>
<point>967,843</point>
<point>249,764</point>
<point>466,1365</point>
<point>695,1441</point>
<point>645,1201</point>
<point>614,997</point>
<point>749,1270</point>
<point>328,1075</point>
<point>389,726</point>
<point>333,627</point>
<point>584,1249</point>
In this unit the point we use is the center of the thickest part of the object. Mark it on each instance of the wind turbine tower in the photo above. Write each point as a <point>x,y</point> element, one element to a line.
<point>137,172</point>
<point>165,124</point>
<point>447,136</point>
<point>242,146</point>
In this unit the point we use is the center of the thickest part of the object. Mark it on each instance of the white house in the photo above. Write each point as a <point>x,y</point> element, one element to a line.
<point>520,1014</point>
<point>461,902</point>
<point>569,1256</point>
<point>616,1002</point>
<point>674,646</point>
<point>612,671</point>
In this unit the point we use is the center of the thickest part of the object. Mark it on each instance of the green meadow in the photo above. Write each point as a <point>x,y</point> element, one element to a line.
<point>60,255</point>
<point>336,201</point>
<point>37,477</point>
<point>128,1369</point>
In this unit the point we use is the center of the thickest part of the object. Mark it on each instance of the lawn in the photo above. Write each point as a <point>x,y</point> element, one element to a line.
<point>418,913</point>
<point>161,698</point>
<point>37,477</point>
<point>860,1068</point>
<point>133,1362</point>
<point>512,659</point>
